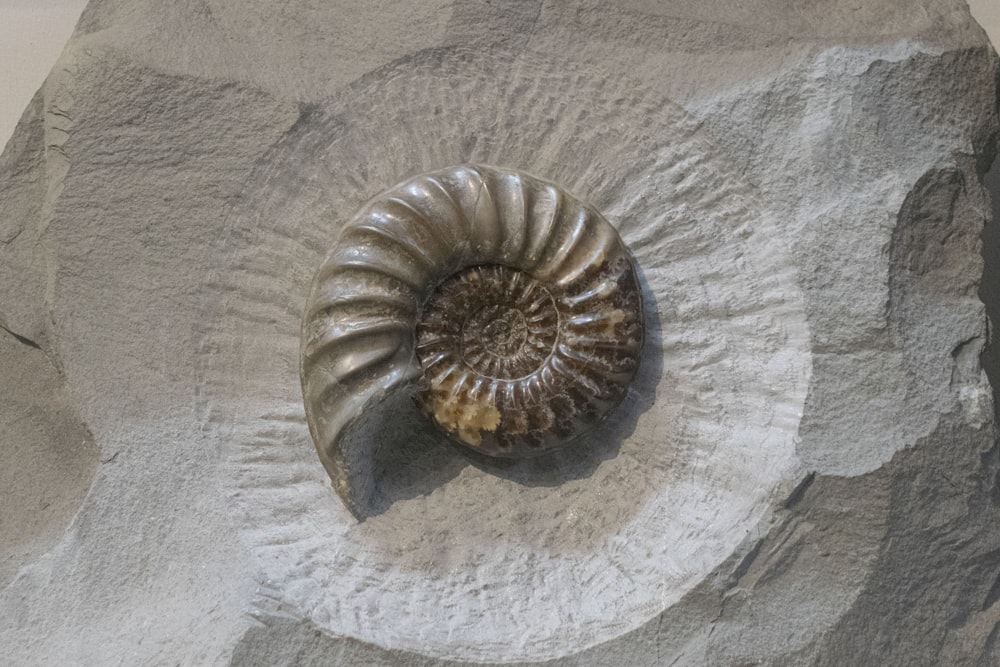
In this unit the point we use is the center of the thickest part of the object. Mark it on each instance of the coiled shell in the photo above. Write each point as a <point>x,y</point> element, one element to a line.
<point>507,309</point>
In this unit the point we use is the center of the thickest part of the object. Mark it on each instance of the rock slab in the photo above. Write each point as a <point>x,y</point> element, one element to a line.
<point>804,473</point>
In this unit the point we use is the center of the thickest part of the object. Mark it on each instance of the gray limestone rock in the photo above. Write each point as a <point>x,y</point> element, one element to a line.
<point>805,470</point>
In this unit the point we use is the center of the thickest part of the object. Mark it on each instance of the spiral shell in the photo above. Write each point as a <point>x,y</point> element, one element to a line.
<point>507,309</point>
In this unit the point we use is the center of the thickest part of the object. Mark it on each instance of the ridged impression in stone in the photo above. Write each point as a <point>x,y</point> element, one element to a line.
<point>507,309</point>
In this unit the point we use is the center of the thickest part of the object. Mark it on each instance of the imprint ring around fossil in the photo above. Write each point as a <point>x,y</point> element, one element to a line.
<point>506,309</point>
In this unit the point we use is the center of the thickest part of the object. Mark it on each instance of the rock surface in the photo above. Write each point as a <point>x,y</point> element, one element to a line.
<point>805,471</point>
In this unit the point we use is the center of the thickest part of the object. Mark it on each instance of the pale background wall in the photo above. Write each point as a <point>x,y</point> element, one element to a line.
<point>987,12</point>
<point>33,33</point>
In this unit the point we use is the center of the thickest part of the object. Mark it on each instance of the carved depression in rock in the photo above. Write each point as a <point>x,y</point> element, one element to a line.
<point>457,555</point>
<point>509,310</point>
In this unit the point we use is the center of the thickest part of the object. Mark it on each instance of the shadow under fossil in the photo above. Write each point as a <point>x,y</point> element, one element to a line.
<point>413,458</point>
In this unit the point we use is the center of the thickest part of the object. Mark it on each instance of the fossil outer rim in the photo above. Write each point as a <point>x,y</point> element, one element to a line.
<point>362,321</point>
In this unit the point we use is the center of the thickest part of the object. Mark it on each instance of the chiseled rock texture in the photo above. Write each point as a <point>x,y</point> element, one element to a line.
<point>805,472</point>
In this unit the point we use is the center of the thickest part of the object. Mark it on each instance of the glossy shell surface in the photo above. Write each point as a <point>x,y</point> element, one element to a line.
<point>509,309</point>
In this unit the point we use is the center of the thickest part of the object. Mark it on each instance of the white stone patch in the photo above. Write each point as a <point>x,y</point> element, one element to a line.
<point>545,558</point>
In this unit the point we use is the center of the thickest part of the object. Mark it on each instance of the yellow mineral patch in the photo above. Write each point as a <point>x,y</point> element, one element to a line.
<point>463,418</point>
<point>613,319</point>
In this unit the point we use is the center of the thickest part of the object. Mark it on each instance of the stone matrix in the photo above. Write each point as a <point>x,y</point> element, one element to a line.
<point>805,471</point>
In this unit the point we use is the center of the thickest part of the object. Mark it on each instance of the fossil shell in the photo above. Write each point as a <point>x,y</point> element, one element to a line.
<point>507,309</point>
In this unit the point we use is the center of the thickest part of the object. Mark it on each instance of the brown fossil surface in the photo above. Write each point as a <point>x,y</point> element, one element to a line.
<point>509,310</point>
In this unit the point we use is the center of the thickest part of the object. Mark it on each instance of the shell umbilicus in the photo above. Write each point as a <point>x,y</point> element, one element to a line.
<point>508,309</point>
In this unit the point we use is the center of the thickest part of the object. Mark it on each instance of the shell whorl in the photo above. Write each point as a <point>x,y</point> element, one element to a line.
<point>507,308</point>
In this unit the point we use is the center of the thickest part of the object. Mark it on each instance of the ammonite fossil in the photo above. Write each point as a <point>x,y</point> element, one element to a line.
<point>508,310</point>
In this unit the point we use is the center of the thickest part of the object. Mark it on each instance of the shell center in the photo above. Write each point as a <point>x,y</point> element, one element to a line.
<point>498,329</point>
<point>497,322</point>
